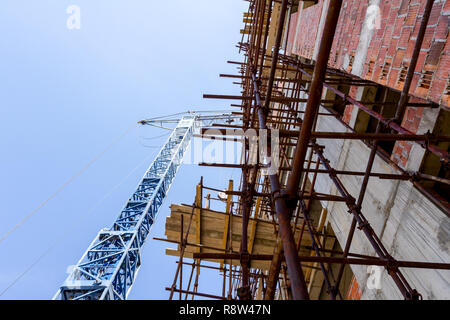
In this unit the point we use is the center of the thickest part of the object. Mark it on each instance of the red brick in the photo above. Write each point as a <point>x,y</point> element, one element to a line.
<point>447,46</point>
<point>410,114</point>
<point>392,17</point>
<point>442,28</point>
<point>410,49</point>
<point>444,67</point>
<point>381,56</point>
<point>414,83</point>
<point>416,27</point>
<point>407,146</point>
<point>396,4</point>
<point>404,37</point>
<point>347,114</point>
<point>376,47</point>
<point>393,75</point>
<point>422,3</point>
<point>437,89</point>
<point>415,125</point>
<point>385,8</point>
<point>435,13</point>
<point>420,61</point>
<point>403,160</point>
<point>435,53</point>
<point>392,49</point>
<point>422,92</point>
<point>419,112</point>
<point>446,6</point>
<point>398,26</point>
<point>403,7</point>
<point>412,15</point>
<point>446,100</point>
<point>376,72</point>
<point>399,85</point>
<point>428,38</point>
<point>400,54</point>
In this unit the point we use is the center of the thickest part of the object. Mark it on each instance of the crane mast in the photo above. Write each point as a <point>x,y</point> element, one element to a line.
<point>108,269</point>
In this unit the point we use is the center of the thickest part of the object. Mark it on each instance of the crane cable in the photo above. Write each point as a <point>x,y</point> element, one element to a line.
<point>194,112</point>
<point>59,241</point>
<point>68,182</point>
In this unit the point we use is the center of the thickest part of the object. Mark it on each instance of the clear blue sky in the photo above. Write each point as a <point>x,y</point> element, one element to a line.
<point>66,94</point>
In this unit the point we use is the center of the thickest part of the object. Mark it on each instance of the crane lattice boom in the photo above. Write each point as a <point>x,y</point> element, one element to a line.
<point>108,268</point>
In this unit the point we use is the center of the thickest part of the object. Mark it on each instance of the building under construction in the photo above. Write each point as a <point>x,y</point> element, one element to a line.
<point>359,206</point>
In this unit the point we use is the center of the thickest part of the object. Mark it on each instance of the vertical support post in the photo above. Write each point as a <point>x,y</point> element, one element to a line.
<point>181,256</point>
<point>227,220</point>
<point>198,216</point>
<point>314,97</point>
<point>403,101</point>
<point>299,289</point>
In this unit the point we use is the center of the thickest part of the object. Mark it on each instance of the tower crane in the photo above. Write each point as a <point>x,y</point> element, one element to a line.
<point>108,268</point>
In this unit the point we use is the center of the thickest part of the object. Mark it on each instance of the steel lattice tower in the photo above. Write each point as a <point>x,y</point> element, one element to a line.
<point>108,269</point>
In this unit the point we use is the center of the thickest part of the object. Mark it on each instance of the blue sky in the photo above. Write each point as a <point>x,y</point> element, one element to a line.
<point>67,94</point>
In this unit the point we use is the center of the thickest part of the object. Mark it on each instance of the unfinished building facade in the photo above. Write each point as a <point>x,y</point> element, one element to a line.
<point>358,208</point>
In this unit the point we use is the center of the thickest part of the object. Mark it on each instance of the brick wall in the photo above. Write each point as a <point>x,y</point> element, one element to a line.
<point>347,33</point>
<point>307,30</point>
<point>391,46</point>
<point>390,51</point>
<point>411,121</point>
<point>291,32</point>
<point>354,292</point>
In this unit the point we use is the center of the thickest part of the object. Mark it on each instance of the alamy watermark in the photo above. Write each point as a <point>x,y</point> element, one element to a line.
<point>74,19</point>
<point>216,146</point>
<point>373,17</point>
<point>374,280</point>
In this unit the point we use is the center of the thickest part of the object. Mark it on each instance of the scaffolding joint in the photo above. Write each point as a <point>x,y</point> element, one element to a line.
<point>244,293</point>
<point>350,201</point>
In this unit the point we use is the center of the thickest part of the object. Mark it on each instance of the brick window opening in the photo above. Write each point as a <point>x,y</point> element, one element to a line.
<point>308,3</point>
<point>425,79</point>
<point>402,75</point>
<point>336,56</point>
<point>432,165</point>
<point>370,68</point>
<point>385,71</point>
<point>446,97</point>
<point>387,110</point>
<point>339,104</point>
<point>350,63</point>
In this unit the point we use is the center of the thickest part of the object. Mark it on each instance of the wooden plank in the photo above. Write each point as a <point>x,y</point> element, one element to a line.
<point>213,231</point>
<point>198,214</point>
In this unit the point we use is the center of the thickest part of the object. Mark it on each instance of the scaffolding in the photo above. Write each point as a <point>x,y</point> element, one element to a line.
<point>290,93</point>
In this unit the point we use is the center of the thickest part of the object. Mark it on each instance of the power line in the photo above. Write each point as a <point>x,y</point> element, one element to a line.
<point>60,241</point>
<point>61,188</point>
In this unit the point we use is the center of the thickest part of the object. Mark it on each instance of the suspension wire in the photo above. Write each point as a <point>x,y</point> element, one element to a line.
<point>152,138</point>
<point>68,234</point>
<point>139,138</point>
<point>68,182</point>
<point>26,271</point>
<point>186,112</point>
